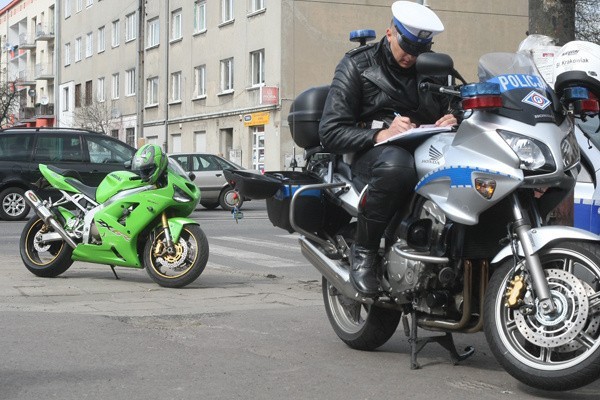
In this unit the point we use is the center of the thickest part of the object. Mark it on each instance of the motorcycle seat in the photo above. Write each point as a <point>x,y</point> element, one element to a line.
<point>345,170</point>
<point>89,191</point>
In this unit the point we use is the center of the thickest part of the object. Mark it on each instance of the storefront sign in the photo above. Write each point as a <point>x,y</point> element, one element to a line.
<point>259,118</point>
<point>269,95</point>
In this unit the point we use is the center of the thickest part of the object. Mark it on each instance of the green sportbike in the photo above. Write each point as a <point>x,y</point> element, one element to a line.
<point>136,218</point>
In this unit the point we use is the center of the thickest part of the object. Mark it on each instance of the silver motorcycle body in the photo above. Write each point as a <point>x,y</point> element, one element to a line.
<point>480,206</point>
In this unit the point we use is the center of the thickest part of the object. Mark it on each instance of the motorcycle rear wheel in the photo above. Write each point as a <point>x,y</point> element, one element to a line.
<point>185,265</point>
<point>360,326</point>
<point>44,260</point>
<point>558,352</point>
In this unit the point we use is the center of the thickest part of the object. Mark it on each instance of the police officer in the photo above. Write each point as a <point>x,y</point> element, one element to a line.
<point>374,96</point>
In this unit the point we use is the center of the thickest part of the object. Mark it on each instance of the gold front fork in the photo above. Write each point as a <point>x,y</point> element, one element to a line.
<point>168,238</point>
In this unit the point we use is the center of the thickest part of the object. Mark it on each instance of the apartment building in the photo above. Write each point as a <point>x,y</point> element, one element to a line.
<point>220,75</point>
<point>28,40</point>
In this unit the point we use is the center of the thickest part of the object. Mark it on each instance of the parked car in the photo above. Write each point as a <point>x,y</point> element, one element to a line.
<point>89,155</point>
<point>214,188</point>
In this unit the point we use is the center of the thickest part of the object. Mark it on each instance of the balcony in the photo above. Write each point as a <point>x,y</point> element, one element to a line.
<point>44,110</point>
<point>26,42</point>
<point>27,113</point>
<point>26,78</point>
<point>44,33</point>
<point>44,72</point>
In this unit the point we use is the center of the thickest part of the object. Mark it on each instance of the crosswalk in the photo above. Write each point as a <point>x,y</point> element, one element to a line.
<point>258,252</point>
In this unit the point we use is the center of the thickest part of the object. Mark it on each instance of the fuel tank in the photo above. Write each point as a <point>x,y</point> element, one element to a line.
<point>116,182</point>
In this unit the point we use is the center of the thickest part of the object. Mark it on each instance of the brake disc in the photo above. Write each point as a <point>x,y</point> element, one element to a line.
<point>37,243</point>
<point>572,307</point>
<point>590,330</point>
<point>174,262</point>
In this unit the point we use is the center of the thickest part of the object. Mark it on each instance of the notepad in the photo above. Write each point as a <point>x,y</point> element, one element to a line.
<point>415,133</point>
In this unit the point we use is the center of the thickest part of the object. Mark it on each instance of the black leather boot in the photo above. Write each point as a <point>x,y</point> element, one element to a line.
<point>365,260</point>
<point>364,271</point>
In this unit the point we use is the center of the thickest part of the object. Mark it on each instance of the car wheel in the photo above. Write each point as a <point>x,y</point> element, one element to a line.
<point>210,206</point>
<point>12,204</point>
<point>230,198</point>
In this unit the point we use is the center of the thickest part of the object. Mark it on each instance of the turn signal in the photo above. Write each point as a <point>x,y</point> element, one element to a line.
<point>485,187</point>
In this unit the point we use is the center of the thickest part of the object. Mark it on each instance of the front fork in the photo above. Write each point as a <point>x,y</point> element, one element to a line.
<point>168,238</point>
<point>534,265</point>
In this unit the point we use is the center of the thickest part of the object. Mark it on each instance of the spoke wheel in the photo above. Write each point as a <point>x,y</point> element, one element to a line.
<point>184,264</point>
<point>12,205</point>
<point>360,326</point>
<point>560,351</point>
<point>43,259</point>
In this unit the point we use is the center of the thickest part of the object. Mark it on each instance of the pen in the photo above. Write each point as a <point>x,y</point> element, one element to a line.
<point>397,114</point>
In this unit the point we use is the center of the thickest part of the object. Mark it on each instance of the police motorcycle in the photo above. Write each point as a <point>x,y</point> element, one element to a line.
<point>135,219</point>
<point>471,251</point>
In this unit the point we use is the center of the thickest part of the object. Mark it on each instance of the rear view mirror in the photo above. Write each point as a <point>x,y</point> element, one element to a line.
<point>127,164</point>
<point>435,64</point>
<point>192,176</point>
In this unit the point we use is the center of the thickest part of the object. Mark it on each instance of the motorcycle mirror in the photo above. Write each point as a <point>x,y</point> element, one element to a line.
<point>127,164</point>
<point>435,64</point>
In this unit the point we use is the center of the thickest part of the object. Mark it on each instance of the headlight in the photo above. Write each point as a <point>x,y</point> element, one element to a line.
<point>533,154</point>
<point>570,150</point>
<point>180,196</point>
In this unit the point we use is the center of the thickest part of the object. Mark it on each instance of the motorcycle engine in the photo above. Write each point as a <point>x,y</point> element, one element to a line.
<point>426,285</point>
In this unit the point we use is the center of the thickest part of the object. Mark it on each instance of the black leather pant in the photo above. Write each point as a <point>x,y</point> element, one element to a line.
<point>390,173</point>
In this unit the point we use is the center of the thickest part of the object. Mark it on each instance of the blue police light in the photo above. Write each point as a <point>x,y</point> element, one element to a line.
<point>480,89</point>
<point>362,35</point>
<point>576,93</point>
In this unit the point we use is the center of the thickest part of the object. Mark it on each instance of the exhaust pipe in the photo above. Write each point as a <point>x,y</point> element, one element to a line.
<point>46,215</point>
<point>332,270</point>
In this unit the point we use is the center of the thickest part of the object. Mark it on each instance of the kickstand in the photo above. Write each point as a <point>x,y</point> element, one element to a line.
<point>114,272</point>
<point>416,344</point>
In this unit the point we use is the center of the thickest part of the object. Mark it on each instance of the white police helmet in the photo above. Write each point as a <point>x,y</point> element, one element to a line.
<point>416,26</point>
<point>578,64</point>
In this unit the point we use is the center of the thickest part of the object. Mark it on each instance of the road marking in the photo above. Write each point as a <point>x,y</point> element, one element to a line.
<point>252,257</point>
<point>253,242</point>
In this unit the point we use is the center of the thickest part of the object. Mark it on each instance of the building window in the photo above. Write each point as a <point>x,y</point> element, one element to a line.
<point>67,54</point>
<point>226,11</point>
<point>130,27</point>
<point>130,82</point>
<point>199,16</point>
<point>257,62</point>
<point>88,93</point>
<point>79,5</point>
<point>89,45</point>
<point>101,39</point>
<point>152,91</point>
<point>227,75</point>
<point>130,136</point>
<point>89,3</point>
<point>100,91</point>
<point>176,86</point>
<point>78,49</point>
<point>78,95</point>
<point>176,25</point>
<point>114,133</point>
<point>65,99</point>
<point>200,80</point>
<point>116,26</point>
<point>153,32</point>
<point>257,5</point>
<point>68,7</point>
<point>258,147</point>
<point>115,86</point>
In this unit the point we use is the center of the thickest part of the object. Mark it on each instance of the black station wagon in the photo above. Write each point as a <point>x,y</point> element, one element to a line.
<point>90,155</point>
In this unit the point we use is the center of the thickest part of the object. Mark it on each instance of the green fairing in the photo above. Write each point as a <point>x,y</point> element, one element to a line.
<point>116,182</point>
<point>121,235</point>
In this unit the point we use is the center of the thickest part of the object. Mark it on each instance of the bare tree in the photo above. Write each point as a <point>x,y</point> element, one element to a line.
<point>9,102</point>
<point>95,116</point>
<point>587,20</point>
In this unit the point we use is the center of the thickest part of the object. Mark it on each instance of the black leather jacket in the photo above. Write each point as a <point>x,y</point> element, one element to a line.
<point>369,85</point>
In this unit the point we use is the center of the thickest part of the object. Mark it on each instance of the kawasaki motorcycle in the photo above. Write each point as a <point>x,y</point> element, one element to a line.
<point>471,251</point>
<point>135,219</point>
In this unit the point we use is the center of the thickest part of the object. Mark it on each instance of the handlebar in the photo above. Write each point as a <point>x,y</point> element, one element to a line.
<point>433,87</point>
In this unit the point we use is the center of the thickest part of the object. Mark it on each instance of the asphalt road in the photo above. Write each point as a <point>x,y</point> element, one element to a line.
<point>252,326</point>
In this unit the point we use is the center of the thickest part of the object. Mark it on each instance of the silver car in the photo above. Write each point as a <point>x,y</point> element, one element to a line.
<point>208,171</point>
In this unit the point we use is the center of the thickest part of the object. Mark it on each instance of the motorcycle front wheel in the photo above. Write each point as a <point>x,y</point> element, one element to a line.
<point>559,351</point>
<point>43,259</point>
<point>360,326</point>
<point>184,265</point>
